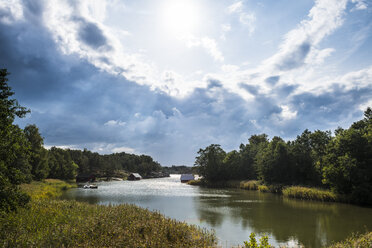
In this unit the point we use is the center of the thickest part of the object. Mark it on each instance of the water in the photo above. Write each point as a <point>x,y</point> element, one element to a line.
<point>233,213</point>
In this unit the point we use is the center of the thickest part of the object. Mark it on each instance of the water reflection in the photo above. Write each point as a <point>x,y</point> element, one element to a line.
<point>234,213</point>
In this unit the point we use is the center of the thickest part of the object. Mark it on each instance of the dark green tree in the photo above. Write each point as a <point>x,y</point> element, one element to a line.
<point>38,154</point>
<point>274,163</point>
<point>14,148</point>
<point>209,163</point>
<point>347,164</point>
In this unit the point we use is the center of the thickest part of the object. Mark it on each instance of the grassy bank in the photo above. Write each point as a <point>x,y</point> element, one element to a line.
<point>46,189</point>
<point>48,222</point>
<point>356,241</point>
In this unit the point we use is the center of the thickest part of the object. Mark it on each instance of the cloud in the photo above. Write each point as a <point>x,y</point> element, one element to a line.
<point>209,44</point>
<point>235,7</point>
<point>85,91</point>
<point>359,5</point>
<point>92,35</point>
<point>246,18</point>
<point>325,17</point>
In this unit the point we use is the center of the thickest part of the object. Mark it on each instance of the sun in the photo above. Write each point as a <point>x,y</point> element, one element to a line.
<point>180,17</point>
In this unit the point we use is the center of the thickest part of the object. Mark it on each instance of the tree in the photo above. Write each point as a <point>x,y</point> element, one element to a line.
<point>38,154</point>
<point>14,166</point>
<point>347,164</point>
<point>209,163</point>
<point>61,165</point>
<point>274,163</point>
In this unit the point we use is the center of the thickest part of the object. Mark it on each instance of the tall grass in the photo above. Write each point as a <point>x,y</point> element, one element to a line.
<point>56,223</point>
<point>249,185</point>
<point>306,193</point>
<point>356,241</point>
<point>48,188</point>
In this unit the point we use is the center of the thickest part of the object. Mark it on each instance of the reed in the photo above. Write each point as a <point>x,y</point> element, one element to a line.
<point>56,223</point>
<point>48,188</point>
<point>306,193</point>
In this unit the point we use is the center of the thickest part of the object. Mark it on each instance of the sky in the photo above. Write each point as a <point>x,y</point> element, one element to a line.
<point>168,77</point>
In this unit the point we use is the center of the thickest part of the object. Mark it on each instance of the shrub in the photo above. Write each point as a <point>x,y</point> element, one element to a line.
<point>252,243</point>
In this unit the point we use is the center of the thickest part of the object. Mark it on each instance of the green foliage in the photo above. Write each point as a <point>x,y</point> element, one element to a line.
<point>252,243</point>
<point>46,189</point>
<point>250,185</point>
<point>107,165</point>
<point>53,223</point>
<point>306,193</point>
<point>274,163</point>
<point>342,163</point>
<point>347,164</point>
<point>209,163</point>
<point>355,241</point>
<point>61,165</point>
<point>14,166</point>
<point>38,154</point>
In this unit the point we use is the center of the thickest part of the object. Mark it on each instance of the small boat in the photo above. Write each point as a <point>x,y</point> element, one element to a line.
<point>90,186</point>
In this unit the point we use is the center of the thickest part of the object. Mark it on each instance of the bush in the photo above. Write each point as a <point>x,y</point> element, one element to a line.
<point>252,243</point>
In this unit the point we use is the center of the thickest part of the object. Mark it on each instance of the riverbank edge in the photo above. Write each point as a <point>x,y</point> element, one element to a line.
<point>294,192</point>
<point>48,221</point>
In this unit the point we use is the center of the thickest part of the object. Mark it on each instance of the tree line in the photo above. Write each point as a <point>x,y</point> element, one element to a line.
<point>23,157</point>
<point>341,162</point>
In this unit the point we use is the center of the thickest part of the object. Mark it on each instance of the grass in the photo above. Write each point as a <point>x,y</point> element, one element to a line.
<point>57,223</point>
<point>48,188</point>
<point>249,185</point>
<point>49,222</point>
<point>356,241</point>
<point>306,193</point>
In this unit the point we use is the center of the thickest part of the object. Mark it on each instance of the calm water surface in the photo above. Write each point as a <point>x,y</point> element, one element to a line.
<point>233,213</point>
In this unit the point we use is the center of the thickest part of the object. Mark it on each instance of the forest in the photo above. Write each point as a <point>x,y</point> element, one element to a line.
<point>341,162</point>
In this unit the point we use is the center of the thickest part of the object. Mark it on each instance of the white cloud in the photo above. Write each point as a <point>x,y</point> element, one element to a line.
<point>209,44</point>
<point>11,11</point>
<point>235,7</point>
<point>246,18</point>
<point>324,18</point>
<point>359,5</point>
<point>113,123</point>
<point>123,149</point>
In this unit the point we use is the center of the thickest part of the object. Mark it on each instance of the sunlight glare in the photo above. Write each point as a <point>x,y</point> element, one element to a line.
<point>180,17</point>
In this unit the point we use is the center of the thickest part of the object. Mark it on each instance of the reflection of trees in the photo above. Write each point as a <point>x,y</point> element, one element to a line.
<point>312,223</point>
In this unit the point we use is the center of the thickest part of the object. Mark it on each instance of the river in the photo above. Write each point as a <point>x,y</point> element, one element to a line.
<point>235,213</point>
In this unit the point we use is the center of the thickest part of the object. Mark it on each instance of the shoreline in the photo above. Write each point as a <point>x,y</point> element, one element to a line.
<point>293,192</point>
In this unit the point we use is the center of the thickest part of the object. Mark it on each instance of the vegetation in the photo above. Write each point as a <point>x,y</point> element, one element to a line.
<point>341,164</point>
<point>252,243</point>
<point>14,158</point>
<point>306,193</point>
<point>356,241</point>
<point>48,188</point>
<point>53,223</point>
<point>177,169</point>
